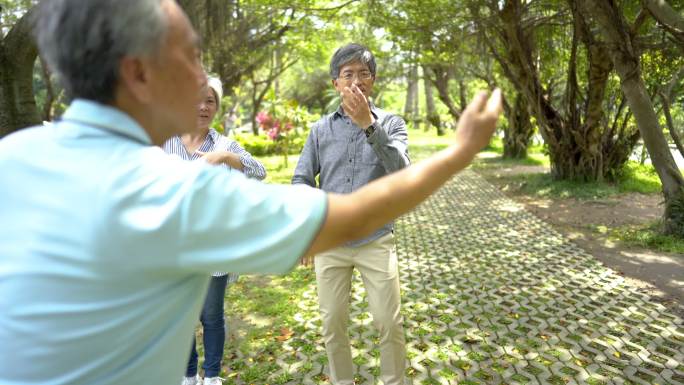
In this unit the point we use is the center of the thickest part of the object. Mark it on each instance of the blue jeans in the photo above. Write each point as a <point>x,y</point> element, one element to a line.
<point>214,325</point>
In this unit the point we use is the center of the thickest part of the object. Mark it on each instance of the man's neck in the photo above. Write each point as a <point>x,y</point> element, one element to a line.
<point>142,115</point>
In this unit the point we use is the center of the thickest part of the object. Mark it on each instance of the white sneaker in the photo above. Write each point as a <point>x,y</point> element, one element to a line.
<point>192,380</point>
<point>213,380</point>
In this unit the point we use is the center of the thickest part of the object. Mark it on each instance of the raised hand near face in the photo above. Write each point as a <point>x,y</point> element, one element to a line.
<point>356,106</point>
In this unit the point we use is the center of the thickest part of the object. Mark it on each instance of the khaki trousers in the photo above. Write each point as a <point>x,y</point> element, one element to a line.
<point>377,263</point>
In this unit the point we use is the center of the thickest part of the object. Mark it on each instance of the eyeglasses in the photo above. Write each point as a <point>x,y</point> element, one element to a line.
<point>361,75</point>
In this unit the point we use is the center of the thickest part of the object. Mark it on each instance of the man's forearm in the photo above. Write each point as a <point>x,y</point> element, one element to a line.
<point>358,214</point>
<point>389,142</point>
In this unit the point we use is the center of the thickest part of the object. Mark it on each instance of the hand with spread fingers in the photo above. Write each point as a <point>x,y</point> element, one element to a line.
<point>478,121</point>
<point>356,106</point>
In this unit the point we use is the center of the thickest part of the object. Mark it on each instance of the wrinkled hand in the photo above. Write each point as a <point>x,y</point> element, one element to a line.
<point>218,157</point>
<point>478,121</point>
<point>356,106</point>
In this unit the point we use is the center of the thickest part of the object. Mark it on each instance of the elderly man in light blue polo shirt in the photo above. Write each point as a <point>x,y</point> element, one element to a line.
<point>107,243</point>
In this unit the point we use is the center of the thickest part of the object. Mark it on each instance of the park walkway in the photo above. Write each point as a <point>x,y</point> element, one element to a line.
<point>493,295</point>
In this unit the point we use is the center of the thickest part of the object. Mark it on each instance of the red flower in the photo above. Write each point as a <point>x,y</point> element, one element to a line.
<point>273,133</point>
<point>264,119</point>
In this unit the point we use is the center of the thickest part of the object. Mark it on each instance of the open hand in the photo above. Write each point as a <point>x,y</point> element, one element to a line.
<point>478,121</point>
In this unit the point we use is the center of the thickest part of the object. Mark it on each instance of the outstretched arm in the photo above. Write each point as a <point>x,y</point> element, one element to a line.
<point>356,215</point>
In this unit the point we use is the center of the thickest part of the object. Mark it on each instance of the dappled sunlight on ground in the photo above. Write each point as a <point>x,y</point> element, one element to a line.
<point>492,296</point>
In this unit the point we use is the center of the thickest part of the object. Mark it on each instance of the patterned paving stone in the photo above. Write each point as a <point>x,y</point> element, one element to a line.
<point>493,295</point>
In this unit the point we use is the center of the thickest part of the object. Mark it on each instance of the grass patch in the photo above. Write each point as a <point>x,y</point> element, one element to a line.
<point>635,178</point>
<point>648,236</point>
<point>543,185</point>
<point>640,178</point>
<point>276,171</point>
<point>491,156</point>
<point>423,144</point>
<point>268,304</point>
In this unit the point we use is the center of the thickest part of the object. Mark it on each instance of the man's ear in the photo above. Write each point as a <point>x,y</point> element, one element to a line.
<point>134,75</point>
<point>335,83</point>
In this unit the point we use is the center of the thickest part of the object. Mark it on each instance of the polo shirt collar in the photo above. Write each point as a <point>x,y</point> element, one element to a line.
<point>107,118</point>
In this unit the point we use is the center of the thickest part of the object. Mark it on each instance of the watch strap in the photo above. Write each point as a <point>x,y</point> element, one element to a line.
<point>369,131</point>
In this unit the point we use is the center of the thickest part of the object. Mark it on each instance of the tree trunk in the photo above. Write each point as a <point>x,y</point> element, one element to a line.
<point>576,149</point>
<point>670,125</point>
<point>462,94</point>
<point>440,78</point>
<point>431,115</point>
<point>411,92</point>
<point>18,53</point>
<point>519,131</point>
<point>278,57</point>
<point>259,95</point>
<point>49,94</point>
<point>416,99</point>
<point>520,69</point>
<point>614,29</point>
<point>666,96</point>
<point>670,19</point>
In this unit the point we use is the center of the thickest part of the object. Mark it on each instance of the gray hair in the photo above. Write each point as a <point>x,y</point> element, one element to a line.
<point>83,42</point>
<point>351,53</point>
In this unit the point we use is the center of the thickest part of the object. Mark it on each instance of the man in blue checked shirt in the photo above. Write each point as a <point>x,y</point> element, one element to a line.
<point>107,244</point>
<point>348,149</point>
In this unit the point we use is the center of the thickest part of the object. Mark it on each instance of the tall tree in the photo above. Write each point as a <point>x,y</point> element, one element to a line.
<point>434,32</point>
<point>569,113</point>
<point>239,37</point>
<point>666,95</point>
<point>18,52</point>
<point>261,86</point>
<point>621,46</point>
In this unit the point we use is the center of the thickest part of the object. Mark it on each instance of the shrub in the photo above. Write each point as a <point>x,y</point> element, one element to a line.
<point>262,145</point>
<point>284,123</point>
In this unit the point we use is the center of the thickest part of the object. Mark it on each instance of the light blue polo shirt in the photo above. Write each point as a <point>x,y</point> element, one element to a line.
<point>107,245</point>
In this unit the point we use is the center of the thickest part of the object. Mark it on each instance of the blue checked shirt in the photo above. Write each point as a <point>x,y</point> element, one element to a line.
<point>338,152</point>
<point>217,142</point>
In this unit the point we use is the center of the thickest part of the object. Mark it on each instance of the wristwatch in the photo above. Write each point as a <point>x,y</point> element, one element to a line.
<point>369,131</point>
